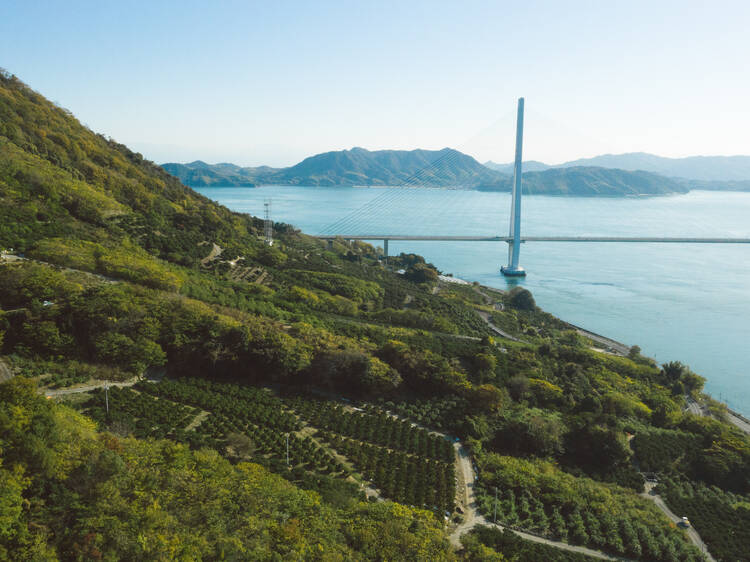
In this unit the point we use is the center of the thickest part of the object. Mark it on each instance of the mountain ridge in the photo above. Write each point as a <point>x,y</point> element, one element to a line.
<point>429,168</point>
<point>700,168</point>
<point>357,166</point>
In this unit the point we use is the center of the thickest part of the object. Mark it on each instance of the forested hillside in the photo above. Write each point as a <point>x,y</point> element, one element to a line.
<point>588,181</point>
<point>358,166</point>
<point>297,401</point>
<point>705,168</point>
<point>432,168</point>
<point>200,174</point>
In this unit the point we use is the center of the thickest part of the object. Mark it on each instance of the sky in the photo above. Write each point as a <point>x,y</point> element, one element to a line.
<point>274,82</point>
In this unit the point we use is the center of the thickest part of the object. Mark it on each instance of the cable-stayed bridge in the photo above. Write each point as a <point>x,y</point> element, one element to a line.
<point>349,227</point>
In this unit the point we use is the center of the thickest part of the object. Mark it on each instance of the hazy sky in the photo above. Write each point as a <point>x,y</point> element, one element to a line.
<point>272,82</point>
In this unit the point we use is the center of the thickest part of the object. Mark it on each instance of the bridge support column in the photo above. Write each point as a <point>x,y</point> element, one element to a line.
<point>514,246</point>
<point>385,250</point>
<point>330,244</point>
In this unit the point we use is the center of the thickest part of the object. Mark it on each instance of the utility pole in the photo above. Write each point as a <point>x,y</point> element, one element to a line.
<point>106,397</point>
<point>495,516</point>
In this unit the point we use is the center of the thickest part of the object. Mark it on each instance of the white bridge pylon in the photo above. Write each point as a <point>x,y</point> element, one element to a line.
<point>514,238</point>
<point>514,245</point>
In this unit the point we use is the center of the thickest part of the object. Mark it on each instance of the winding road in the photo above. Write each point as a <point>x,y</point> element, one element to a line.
<point>691,532</point>
<point>472,516</point>
<point>486,317</point>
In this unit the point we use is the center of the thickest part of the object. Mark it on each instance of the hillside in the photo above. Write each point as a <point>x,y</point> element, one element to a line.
<point>434,168</point>
<point>297,401</point>
<point>358,166</point>
<point>716,168</point>
<point>699,172</point>
<point>593,182</point>
<point>200,174</point>
<point>716,185</point>
<point>426,168</point>
<point>528,166</point>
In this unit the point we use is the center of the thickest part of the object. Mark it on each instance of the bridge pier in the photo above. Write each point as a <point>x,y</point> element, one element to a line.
<point>514,245</point>
<point>385,249</point>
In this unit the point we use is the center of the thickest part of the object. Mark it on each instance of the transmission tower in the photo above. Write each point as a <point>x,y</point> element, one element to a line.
<point>268,223</point>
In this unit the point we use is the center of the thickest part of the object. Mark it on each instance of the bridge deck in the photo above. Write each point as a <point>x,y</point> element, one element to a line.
<point>450,238</point>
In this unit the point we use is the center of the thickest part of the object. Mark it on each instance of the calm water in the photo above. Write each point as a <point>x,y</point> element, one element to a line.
<point>689,302</point>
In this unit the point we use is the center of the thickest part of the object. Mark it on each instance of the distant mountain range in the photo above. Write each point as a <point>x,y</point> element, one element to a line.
<point>201,174</point>
<point>528,166</point>
<point>707,168</point>
<point>433,168</point>
<point>607,175</point>
<point>587,181</point>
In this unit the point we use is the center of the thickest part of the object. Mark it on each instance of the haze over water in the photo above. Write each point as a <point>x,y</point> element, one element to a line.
<point>686,302</point>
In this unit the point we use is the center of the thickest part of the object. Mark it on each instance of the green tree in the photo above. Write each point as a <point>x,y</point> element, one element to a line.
<point>421,273</point>
<point>520,299</point>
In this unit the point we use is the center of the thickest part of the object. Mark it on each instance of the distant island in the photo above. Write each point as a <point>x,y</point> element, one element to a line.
<point>704,168</point>
<point>622,175</point>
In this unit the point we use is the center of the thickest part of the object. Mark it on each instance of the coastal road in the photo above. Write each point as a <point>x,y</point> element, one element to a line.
<point>736,420</point>
<point>610,345</point>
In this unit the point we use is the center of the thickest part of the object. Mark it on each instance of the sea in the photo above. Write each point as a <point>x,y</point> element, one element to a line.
<point>685,302</point>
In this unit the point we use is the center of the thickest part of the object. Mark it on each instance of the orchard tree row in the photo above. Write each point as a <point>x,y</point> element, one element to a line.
<point>379,429</point>
<point>404,478</point>
<point>578,525</point>
<point>440,413</point>
<point>660,450</point>
<point>722,518</point>
<point>537,495</point>
<point>248,404</point>
<point>243,440</point>
<point>144,415</point>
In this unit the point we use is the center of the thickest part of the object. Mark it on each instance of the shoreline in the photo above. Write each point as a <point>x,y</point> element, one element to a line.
<point>719,372</point>
<point>556,194</point>
<point>737,419</point>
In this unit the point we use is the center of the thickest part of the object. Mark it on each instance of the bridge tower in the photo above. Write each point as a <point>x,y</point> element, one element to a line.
<point>514,245</point>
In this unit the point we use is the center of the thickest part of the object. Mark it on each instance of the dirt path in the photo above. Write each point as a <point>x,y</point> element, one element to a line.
<point>98,276</point>
<point>99,384</point>
<point>212,255</point>
<point>197,420</point>
<point>486,317</point>
<point>5,373</point>
<point>488,300</point>
<point>465,496</point>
